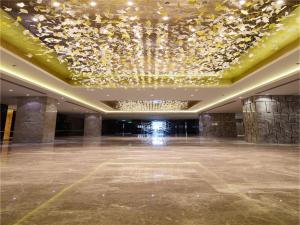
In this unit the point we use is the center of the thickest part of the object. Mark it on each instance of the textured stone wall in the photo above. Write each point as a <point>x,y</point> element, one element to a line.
<point>272,119</point>
<point>92,125</point>
<point>239,125</point>
<point>217,125</point>
<point>35,120</point>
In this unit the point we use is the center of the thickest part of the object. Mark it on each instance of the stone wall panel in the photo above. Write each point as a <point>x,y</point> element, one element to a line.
<point>272,119</point>
<point>217,125</point>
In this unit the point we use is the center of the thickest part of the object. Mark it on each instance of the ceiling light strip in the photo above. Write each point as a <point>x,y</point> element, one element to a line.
<point>60,92</point>
<point>287,73</point>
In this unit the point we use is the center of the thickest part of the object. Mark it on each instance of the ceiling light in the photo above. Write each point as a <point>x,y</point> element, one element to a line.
<point>192,95</point>
<point>56,4</point>
<point>107,95</point>
<point>93,3</point>
<point>165,18</point>
<point>27,94</point>
<point>151,105</point>
<point>193,29</point>
<point>280,2</point>
<point>20,4</point>
<point>10,90</point>
<point>130,3</point>
<point>242,2</point>
<point>35,19</point>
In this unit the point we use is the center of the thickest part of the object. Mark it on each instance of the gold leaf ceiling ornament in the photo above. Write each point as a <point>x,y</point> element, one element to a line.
<point>146,45</point>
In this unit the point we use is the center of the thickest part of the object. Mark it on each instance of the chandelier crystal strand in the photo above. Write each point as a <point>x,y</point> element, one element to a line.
<point>109,48</point>
<point>154,105</point>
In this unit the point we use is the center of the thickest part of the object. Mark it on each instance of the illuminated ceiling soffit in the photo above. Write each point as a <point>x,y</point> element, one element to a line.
<point>148,43</point>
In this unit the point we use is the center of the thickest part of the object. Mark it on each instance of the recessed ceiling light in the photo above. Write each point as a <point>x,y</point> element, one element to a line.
<point>280,2</point>
<point>242,2</point>
<point>20,4</point>
<point>152,95</point>
<point>58,103</point>
<point>27,94</point>
<point>192,95</point>
<point>93,3</point>
<point>165,18</point>
<point>56,4</point>
<point>107,95</point>
<point>10,90</point>
<point>130,3</point>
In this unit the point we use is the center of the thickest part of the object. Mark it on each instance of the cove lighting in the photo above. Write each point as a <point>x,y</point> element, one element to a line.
<point>13,72</point>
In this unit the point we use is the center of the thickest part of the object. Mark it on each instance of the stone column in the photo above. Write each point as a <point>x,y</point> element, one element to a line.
<point>35,120</point>
<point>272,119</point>
<point>217,125</point>
<point>92,125</point>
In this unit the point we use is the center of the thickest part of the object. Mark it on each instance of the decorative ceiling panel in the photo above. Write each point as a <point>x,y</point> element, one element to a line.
<point>148,43</point>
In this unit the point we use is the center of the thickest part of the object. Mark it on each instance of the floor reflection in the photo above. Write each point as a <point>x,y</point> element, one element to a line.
<point>129,180</point>
<point>5,147</point>
<point>158,139</point>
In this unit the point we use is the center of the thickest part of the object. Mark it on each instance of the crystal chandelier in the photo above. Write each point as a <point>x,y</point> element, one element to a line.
<point>152,105</point>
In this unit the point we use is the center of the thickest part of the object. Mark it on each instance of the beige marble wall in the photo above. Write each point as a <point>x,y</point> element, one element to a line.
<point>272,119</point>
<point>92,125</point>
<point>35,120</point>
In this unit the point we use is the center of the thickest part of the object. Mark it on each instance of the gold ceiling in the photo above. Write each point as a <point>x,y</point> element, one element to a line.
<point>148,43</point>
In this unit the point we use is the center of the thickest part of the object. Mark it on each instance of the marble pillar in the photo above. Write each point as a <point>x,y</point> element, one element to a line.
<point>92,125</point>
<point>217,125</point>
<point>35,120</point>
<point>272,119</point>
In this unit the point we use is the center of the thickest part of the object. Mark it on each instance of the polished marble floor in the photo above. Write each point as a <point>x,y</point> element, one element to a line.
<point>149,181</point>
